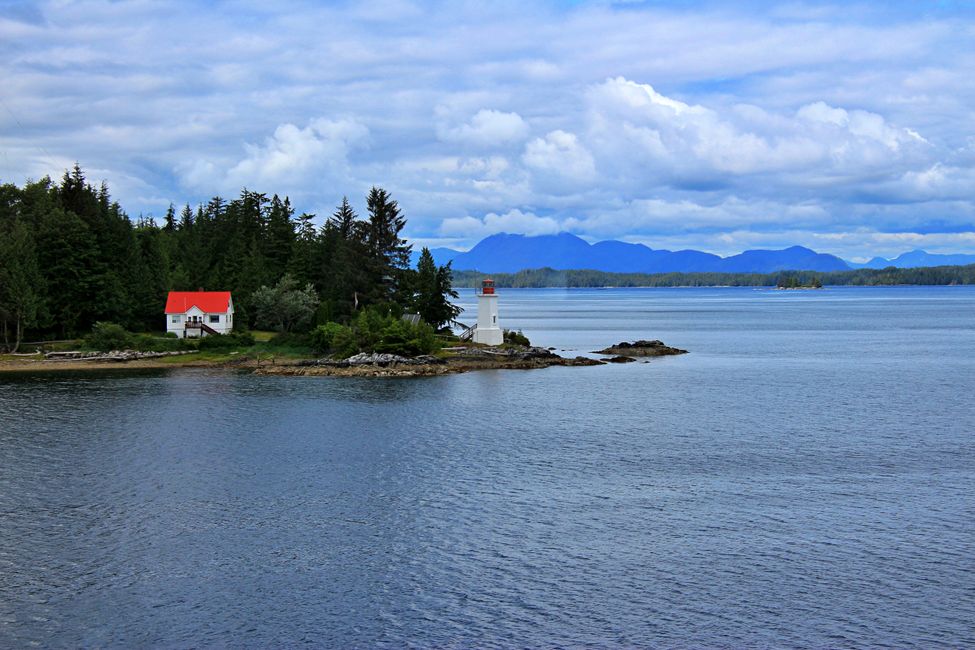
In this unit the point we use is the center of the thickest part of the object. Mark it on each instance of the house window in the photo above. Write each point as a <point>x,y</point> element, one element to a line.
<point>177,319</point>
<point>214,318</point>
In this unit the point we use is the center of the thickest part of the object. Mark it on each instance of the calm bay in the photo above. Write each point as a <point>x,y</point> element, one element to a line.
<point>805,477</point>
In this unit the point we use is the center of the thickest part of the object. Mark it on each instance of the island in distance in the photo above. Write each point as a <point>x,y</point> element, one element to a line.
<point>509,253</point>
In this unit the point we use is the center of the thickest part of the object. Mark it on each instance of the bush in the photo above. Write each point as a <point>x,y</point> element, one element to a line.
<point>344,343</point>
<point>373,331</point>
<point>511,336</point>
<point>149,343</point>
<point>227,341</point>
<point>391,334</point>
<point>323,337</point>
<point>400,337</point>
<point>106,336</point>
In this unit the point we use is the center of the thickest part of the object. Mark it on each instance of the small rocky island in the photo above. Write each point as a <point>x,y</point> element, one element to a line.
<point>640,349</point>
<point>452,360</point>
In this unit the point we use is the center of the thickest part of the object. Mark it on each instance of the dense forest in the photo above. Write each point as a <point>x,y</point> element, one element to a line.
<point>71,257</point>
<point>537,278</point>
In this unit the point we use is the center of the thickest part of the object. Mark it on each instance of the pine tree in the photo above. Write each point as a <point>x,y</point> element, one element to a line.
<point>389,255</point>
<point>346,221</point>
<point>170,220</point>
<point>385,224</point>
<point>433,288</point>
<point>21,284</point>
<point>279,240</point>
<point>304,263</point>
<point>152,281</point>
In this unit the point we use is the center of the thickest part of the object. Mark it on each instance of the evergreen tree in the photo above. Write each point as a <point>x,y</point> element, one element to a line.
<point>152,279</point>
<point>21,284</point>
<point>344,280</point>
<point>346,221</point>
<point>279,240</point>
<point>170,220</point>
<point>385,223</point>
<point>66,252</point>
<point>304,263</point>
<point>389,255</point>
<point>432,285</point>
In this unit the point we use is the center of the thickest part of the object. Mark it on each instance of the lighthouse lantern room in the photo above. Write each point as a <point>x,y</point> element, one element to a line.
<point>488,330</point>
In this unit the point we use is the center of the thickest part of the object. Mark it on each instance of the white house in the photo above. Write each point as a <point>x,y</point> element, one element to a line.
<point>199,313</point>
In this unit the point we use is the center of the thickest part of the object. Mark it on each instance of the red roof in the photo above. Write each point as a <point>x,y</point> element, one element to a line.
<point>209,302</point>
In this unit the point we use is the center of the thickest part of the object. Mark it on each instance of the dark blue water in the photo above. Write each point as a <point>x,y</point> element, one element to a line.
<point>805,477</point>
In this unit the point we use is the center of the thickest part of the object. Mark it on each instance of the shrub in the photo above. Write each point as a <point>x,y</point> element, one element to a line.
<point>344,343</point>
<point>400,337</point>
<point>374,331</point>
<point>227,341</point>
<point>149,343</point>
<point>323,337</point>
<point>107,336</point>
<point>511,336</point>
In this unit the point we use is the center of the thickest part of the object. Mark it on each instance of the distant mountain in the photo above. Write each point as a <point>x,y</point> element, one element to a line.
<point>505,253</point>
<point>795,258</point>
<point>916,259</point>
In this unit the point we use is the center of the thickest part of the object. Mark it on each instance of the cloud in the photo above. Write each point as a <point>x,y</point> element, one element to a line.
<point>637,128</point>
<point>289,159</point>
<point>671,121</point>
<point>559,161</point>
<point>513,221</point>
<point>487,128</point>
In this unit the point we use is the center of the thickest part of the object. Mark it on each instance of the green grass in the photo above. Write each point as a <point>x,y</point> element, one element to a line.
<point>215,356</point>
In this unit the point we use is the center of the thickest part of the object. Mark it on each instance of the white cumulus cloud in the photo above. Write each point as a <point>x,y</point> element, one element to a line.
<point>487,128</point>
<point>291,160</point>
<point>513,221</point>
<point>559,159</point>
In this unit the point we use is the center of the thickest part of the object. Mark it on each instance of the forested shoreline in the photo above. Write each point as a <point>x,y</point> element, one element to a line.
<point>540,278</point>
<point>71,257</point>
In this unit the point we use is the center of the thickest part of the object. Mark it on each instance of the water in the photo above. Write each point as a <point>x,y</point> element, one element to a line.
<point>805,477</point>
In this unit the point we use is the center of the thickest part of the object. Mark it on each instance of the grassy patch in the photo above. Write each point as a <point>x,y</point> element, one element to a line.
<point>213,356</point>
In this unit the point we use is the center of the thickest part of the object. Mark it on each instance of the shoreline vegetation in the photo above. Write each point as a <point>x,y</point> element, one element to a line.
<point>71,261</point>
<point>585,279</point>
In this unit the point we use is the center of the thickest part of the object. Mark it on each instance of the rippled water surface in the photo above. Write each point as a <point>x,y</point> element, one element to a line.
<point>805,477</point>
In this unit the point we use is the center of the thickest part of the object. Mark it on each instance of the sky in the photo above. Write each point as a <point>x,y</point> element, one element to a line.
<point>847,128</point>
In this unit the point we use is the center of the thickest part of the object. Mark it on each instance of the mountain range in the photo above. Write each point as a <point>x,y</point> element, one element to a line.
<point>507,253</point>
<point>916,259</point>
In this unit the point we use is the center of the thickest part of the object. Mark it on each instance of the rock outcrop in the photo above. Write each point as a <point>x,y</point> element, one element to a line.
<point>457,359</point>
<point>114,355</point>
<point>641,349</point>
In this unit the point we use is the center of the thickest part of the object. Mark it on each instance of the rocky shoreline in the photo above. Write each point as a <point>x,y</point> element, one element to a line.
<point>459,359</point>
<point>451,360</point>
<point>114,355</point>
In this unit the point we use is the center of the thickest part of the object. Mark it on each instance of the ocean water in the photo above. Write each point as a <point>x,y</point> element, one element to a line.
<point>805,477</point>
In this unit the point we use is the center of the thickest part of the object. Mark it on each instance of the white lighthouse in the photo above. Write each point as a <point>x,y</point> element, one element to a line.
<point>488,330</point>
